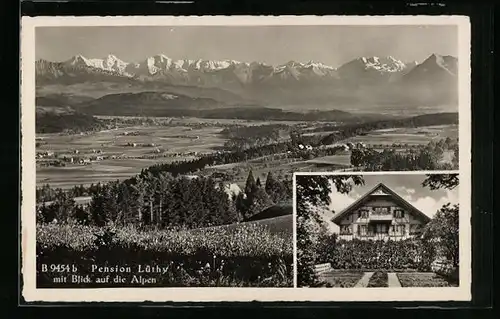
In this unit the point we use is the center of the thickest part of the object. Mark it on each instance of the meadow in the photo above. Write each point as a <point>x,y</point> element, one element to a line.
<point>123,159</point>
<point>411,136</point>
<point>128,150</point>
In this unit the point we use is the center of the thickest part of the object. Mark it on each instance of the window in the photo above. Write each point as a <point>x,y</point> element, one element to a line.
<point>362,229</point>
<point>399,213</point>
<point>364,214</point>
<point>382,228</point>
<point>345,229</point>
<point>382,210</point>
<point>400,229</point>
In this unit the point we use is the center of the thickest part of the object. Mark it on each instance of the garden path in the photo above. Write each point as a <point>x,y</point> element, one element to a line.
<point>392,280</point>
<point>363,282</point>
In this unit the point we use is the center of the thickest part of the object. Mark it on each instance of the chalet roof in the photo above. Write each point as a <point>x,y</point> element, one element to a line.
<point>379,189</point>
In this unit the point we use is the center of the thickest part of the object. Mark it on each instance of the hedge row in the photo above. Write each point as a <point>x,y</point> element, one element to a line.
<point>402,255</point>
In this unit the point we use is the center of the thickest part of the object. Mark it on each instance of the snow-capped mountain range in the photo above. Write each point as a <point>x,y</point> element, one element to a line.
<point>162,65</point>
<point>285,83</point>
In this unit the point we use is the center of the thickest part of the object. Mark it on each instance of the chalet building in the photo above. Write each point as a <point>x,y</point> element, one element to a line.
<point>381,214</point>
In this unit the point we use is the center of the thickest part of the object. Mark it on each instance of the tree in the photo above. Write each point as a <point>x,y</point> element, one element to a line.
<point>257,202</point>
<point>138,199</point>
<point>250,184</point>
<point>437,181</point>
<point>242,206</point>
<point>357,158</point>
<point>258,183</point>
<point>63,206</point>
<point>47,213</point>
<point>444,228</point>
<point>455,158</point>
<point>270,183</point>
<point>277,190</point>
<point>81,216</point>
<point>314,191</point>
<point>296,137</point>
<point>124,214</point>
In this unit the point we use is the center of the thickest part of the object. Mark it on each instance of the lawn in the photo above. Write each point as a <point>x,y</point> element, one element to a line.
<point>378,279</point>
<point>423,280</point>
<point>342,279</point>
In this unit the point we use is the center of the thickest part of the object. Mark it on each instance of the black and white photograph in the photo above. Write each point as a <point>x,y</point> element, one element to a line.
<point>383,230</point>
<point>162,153</point>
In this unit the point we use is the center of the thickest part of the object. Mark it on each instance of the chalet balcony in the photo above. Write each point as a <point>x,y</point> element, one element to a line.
<point>374,236</point>
<point>381,217</point>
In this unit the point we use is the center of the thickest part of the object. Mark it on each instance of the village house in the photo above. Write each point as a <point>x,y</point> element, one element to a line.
<point>380,214</point>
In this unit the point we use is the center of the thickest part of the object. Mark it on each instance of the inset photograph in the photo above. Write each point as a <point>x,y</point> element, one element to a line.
<point>388,230</point>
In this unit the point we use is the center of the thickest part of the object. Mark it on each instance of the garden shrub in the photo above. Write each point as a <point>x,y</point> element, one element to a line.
<point>390,255</point>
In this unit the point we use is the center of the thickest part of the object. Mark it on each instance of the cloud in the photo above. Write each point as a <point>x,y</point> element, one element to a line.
<point>340,201</point>
<point>410,190</point>
<point>326,215</point>
<point>429,205</point>
<point>404,191</point>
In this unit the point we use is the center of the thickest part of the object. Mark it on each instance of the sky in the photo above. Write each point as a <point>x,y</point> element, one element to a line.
<point>331,45</point>
<point>407,186</point>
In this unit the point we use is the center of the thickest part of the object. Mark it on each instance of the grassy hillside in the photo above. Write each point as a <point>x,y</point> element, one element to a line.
<point>281,225</point>
<point>273,211</point>
<point>55,122</point>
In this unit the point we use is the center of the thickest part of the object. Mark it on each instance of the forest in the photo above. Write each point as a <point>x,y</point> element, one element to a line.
<point>423,158</point>
<point>162,201</point>
<point>51,122</point>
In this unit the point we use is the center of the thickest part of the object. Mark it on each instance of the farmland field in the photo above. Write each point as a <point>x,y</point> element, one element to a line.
<point>185,121</point>
<point>124,159</point>
<point>410,136</point>
<point>340,160</point>
<point>127,151</point>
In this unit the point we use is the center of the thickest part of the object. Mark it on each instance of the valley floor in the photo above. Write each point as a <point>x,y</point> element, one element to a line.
<point>119,154</point>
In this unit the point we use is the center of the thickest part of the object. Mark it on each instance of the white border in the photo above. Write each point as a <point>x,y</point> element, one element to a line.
<point>31,293</point>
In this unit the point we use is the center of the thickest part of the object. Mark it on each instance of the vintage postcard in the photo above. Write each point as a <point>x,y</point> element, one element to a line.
<point>159,153</point>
